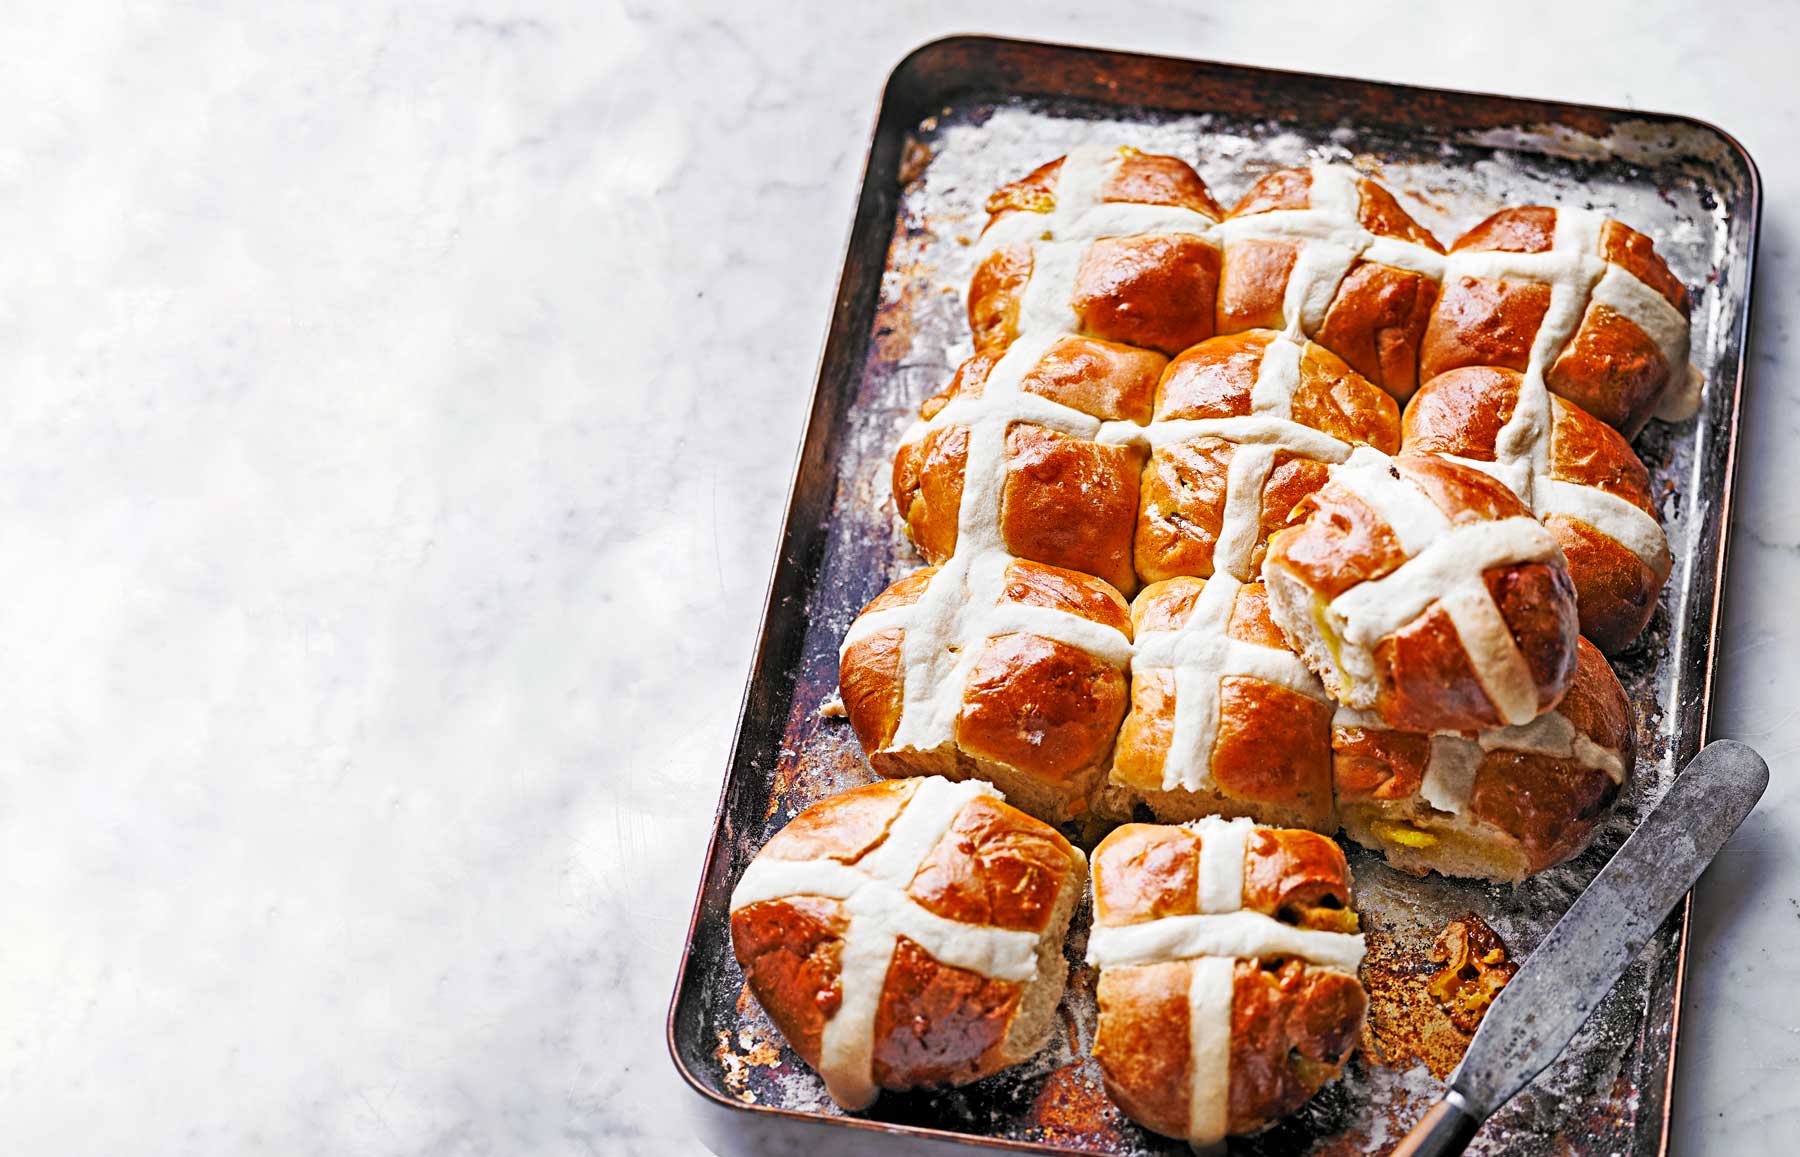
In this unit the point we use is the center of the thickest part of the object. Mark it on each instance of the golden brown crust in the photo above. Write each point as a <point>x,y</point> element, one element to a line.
<point>1428,682</point>
<point>1532,810</point>
<point>1070,502</point>
<point>1034,585</point>
<point>1270,756</point>
<point>791,951</point>
<point>1253,284</point>
<point>1165,606</point>
<point>1041,706</point>
<point>1377,209</point>
<point>1273,746</point>
<point>969,381</point>
<point>1550,810</point>
<point>935,1024</point>
<point>1462,413</point>
<point>1611,369</point>
<point>938,1024</point>
<point>1065,501</point>
<point>1035,192</point>
<point>1106,379</point>
<point>1283,189</point>
<point>1614,591</point>
<point>1376,323</point>
<point>1141,178</point>
<point>1461,492</point>
<point>1146,872</point>
<point>903,591</point>
<point>1289,874</point>
<point>869,671</point>
<point>1377,316</point>
<point>870,683</point>
<point>1293,1026</point>
<point>1155,179</point>
<point>1381,214</point>
<point>1250,621</point>
<point>1037,717</point>
<point>1113,382</point>
<point>996,293</point>
<point>1291,479</point>
<point>1523,229</point>
<point>1596,704</point>
<point>1154,291</point>
<point>1591,453</point>
<point>1183,489</point>
<point>928,486</point>
<point>1481,321</point>
<point>1181,506</point>
<point>1336,399</point>
<point>996,866</point>
<point>1637,255</point>
<point>1378,764</point>
<point>1183,493</point>
<point>1537,601</point>
<point>843,827</point>
<point>1549,806</point>
<point>1426,679</point>
<point>1144,737</point>
<point>1619,594</point>
<point>1376,320</point>
<point>1334,540</point>
<point>1213,379</point>
<point>1140,1043</point>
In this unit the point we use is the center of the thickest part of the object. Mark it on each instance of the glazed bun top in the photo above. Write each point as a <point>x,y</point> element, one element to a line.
<point>1424,589</point>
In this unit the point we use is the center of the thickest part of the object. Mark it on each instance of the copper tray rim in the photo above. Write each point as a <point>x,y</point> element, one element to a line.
<point>846,288</point>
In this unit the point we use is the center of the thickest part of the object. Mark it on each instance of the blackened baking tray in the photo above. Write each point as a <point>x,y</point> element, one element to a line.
<point>962,116</point>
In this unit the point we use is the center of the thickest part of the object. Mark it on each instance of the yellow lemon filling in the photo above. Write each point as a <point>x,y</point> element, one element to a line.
<point>1404,834</point>
<point>1323,622</point>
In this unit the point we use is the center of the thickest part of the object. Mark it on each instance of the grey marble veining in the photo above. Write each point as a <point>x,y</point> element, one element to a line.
<point>399,405</point>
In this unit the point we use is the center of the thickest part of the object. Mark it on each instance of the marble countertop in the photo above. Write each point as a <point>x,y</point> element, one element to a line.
<point>400,401</point>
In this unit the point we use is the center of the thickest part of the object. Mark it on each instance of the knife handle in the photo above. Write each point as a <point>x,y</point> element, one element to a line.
<point>1446,1129</point>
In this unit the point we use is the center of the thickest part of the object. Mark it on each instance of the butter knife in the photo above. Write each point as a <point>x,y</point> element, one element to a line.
<point>1537,1013</point>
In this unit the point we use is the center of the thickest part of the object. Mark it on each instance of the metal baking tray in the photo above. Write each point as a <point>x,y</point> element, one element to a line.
<point>960,117</point>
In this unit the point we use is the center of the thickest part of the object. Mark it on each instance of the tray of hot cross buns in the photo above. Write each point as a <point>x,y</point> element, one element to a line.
<point>1255,553</point>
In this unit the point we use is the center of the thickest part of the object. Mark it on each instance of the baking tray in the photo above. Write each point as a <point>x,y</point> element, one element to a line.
<point>960,117</point>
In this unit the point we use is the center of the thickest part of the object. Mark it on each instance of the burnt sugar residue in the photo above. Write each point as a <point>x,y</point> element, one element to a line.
<point>1405,1026</point>
<point>1072,1107</point>
<point>1425,1005</point>
<point>1474,969</point>
<point>751,1056</point>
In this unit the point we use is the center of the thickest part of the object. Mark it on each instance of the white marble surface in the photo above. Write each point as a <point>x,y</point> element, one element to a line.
<point>398,407</point>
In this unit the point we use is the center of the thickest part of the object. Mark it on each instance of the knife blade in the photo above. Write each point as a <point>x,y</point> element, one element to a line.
<point>1581,959</point>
